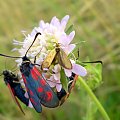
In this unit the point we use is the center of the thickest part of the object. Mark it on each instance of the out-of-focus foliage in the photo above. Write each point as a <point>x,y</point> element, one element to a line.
<point>94,75</point>
<point>97,22</point>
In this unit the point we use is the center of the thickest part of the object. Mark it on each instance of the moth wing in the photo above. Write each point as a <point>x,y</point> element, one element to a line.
<point>63,59</point>
<point>71,84</point>
<point>29,82</point>
<point>14,98</point>
<point>49,59</point>
<point>62,95</point>
<point>47,96</point>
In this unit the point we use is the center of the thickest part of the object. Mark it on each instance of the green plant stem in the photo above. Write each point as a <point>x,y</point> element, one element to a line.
<point>100,107</point>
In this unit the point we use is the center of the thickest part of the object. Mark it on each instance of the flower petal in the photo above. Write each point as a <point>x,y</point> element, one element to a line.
<point>71,36</point>
<point>55,22</point>
<point>79,70</point>
<point>26,95</point>
<point>68,72</point>
<point>66,40</point>
<point>63,40</point>
<point>58,87</point>
<point>68,49</point>
<point>64,22</point>
<point>56,76</point>
<point>30,104</point>
<point>56,68</point>
<point>51,82</point>
<point>42,24</point>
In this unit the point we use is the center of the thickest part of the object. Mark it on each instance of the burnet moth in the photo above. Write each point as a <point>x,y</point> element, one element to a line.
<point>38,90</point>
<point>15,88</point>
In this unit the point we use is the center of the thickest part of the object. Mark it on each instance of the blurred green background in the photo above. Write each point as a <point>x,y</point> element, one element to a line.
<point>95,21</point>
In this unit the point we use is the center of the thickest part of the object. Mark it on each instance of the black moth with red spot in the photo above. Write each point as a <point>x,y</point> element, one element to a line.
<point>39,91</point>
<point>15,88</point>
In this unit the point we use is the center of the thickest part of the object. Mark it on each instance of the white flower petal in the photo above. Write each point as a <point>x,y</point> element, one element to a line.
<point>30,104</point>
<point>71,36</point>
<point>42,24</point>
<point>55,22</point>
<point>68,49</point>
<point>56,68</point>
<point>79,70</point>
<point>26,95</point>
<point>58,87</point>
<point>63,40</point>
<point>68,72</point>
<point>33,33</point>
<point>64,21</point>
<point>14,49</point>
<point>51,82</point>
<point>57,76</point>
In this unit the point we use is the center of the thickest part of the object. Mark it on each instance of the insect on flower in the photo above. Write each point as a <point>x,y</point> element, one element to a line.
<point>38,90</point>
<point>57,55</point>
<point>15,88</point>
<point>55,45</point>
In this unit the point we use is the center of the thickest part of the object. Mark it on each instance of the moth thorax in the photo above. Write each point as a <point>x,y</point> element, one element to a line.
<point>57,49</point>
<point>6,72</point>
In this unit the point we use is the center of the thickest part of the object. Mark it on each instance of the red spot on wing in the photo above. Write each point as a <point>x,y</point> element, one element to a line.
<point>13,91</point>
<point>27,89</point>
<point>43,82</point>
<point>34,75</point>
<point>40,89</point>
<point>49,96</point>
<point>36,71</point>
<point>32,100</point>
<point>14,98</point>
<point>31,93</point>
<point>25,81</point>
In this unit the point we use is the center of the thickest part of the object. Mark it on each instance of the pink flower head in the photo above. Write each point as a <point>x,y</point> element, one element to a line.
<point>54,80</point>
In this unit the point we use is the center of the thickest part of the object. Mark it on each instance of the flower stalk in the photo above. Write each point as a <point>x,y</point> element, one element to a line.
<point>94,98</point>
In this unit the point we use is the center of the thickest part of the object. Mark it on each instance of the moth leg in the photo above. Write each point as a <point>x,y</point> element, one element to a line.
<point>35,59</point>
<point>37,55</point>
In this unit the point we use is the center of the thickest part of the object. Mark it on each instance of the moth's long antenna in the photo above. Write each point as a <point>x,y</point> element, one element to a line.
<point>26,51</point>
<point>98,61</point>
<point>9,56</point>
<point>32,42</point>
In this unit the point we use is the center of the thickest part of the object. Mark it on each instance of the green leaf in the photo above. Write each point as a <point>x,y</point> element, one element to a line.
<point>94,77</point>
<point>64,79</point>
<point>94,74</point>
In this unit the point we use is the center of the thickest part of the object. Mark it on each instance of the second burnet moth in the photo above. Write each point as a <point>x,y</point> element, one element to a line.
<point>15,88</point>
<point>38,90</point>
